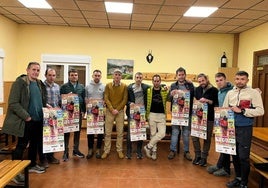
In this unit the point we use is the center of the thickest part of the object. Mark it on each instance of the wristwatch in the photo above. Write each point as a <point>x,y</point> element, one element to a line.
<point>243,111</point>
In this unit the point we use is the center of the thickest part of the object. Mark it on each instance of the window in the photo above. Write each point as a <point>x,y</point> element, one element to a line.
<point>63,63</point>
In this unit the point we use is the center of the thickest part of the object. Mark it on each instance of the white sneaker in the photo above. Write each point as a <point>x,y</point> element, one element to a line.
<point>37,169</point>
<point>148,151</point>
<point>19,179</point>
<point>154,155</point>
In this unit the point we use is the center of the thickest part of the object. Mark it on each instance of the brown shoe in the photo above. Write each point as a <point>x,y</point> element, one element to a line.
<point>120,155</point>
<point>171,155</point>
<point>188,156</point>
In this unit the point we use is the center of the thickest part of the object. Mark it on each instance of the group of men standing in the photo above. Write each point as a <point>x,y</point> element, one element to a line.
<point>29,95</point>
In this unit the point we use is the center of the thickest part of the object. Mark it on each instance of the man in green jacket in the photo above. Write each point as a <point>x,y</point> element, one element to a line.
<point>24,117</point>
<point>156,115</point>
<point>73,86</point>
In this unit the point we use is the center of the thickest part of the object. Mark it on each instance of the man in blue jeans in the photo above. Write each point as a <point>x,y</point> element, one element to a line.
<point>181,85</point>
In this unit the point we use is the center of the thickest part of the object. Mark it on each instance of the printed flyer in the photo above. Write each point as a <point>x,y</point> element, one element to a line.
<point>53,134</point>
<point>95,116</point>
<point>199,120</point>
<point>71,113</point>
<point>224,131</point>
<point>180,108</point>
<point>137,122</point>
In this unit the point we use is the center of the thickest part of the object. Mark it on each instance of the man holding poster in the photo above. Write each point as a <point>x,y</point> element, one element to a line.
<point>74,87</point>
<point>246,104</point>
<point>137,94</point>
<point>181,96</point>
<point>95,90</point>
<point>206,94</point>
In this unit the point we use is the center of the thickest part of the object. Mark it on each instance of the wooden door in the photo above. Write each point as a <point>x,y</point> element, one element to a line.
<point>260,80</point>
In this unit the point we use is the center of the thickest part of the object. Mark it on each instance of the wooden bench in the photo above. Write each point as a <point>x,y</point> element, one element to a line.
<point>263,174</point>
<point>10,168</point>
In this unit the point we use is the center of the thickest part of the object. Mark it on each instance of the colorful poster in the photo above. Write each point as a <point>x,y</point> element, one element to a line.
<point>224,130</point>
<point>180,108</point>
<point>137,122</point>
<point>199,120</point>
<point>95,116</point>
<point>53,134</point>
<point>71,113</point>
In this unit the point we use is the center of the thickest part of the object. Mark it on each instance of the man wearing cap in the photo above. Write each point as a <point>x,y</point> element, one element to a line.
<point>115,97</point>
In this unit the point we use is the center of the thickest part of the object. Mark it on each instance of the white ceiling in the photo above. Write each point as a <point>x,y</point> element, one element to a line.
<point>233,16</point>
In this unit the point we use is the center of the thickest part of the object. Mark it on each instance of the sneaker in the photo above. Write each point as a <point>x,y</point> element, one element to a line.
<point>154,155</point>
<point>65,156</point>
<point>53,160</point>
<point>78,154</point>
<point>187,156</point>
<point>128,156</point>
<point>37,169</point>
<point>19,179</point>
<point>203,162</point>
<point>221,172</point>
<point>196,160</point>
<point>139,156</point>
<point>212,169</point>
<point>171,155</point>
<point>235,183</point>
<point>104,155</point>
<point>90,153</point>
<point>120,154</point>
<point>98,154</point>
<point>44,164</point>
<point>148,151</point>
<point>243,186</point>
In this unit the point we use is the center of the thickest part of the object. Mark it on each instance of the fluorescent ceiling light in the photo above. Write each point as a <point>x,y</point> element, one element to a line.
<point>200,11</point>
<point>119,7</point>
<point>36,4</point>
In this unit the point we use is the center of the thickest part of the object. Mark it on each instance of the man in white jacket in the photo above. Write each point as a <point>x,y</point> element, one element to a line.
<point>246,104</point>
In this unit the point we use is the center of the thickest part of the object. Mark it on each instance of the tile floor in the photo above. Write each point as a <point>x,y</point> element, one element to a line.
<point>135,173</point>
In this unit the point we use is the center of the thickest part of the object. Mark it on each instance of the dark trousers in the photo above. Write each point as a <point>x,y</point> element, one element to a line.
<point>224,162</point>
<point>90,140</point>
<point>33,135</point>
<point>206,145</point>
<point>129,143</point>
<point>241,159</point>
<point>76,137</point>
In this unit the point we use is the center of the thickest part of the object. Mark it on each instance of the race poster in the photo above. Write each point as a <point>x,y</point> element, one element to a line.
<point>95,116</point>
<point>71,113</point>
<point>137,122</point>
<point>53,134</point>
<point>199,120</point>
<point>224,131</point>
<point>180,108</point>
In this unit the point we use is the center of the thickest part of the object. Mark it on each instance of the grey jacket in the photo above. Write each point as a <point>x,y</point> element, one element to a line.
<point>18,104</point>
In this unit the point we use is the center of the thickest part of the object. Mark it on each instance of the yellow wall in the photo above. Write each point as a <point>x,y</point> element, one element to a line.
<point>195,52</point>
<point>252,40</point>
<point>8,42</point>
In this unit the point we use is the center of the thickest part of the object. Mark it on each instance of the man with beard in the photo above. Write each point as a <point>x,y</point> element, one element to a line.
<point>205,93</point>
<point>179,86</point>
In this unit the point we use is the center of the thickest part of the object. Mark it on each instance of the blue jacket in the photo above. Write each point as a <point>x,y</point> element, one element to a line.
<point>222,93</point>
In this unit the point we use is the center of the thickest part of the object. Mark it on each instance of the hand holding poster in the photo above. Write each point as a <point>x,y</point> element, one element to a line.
<point>224,130</point>
<point>199,120</point>
<point>53,135</point>
<point>71,112</point>
<point>180,108</point>
<point>137,122</point>
<point>95,116</point>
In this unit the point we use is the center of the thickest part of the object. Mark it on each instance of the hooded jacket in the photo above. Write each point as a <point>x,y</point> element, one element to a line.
<point>18,103</point>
